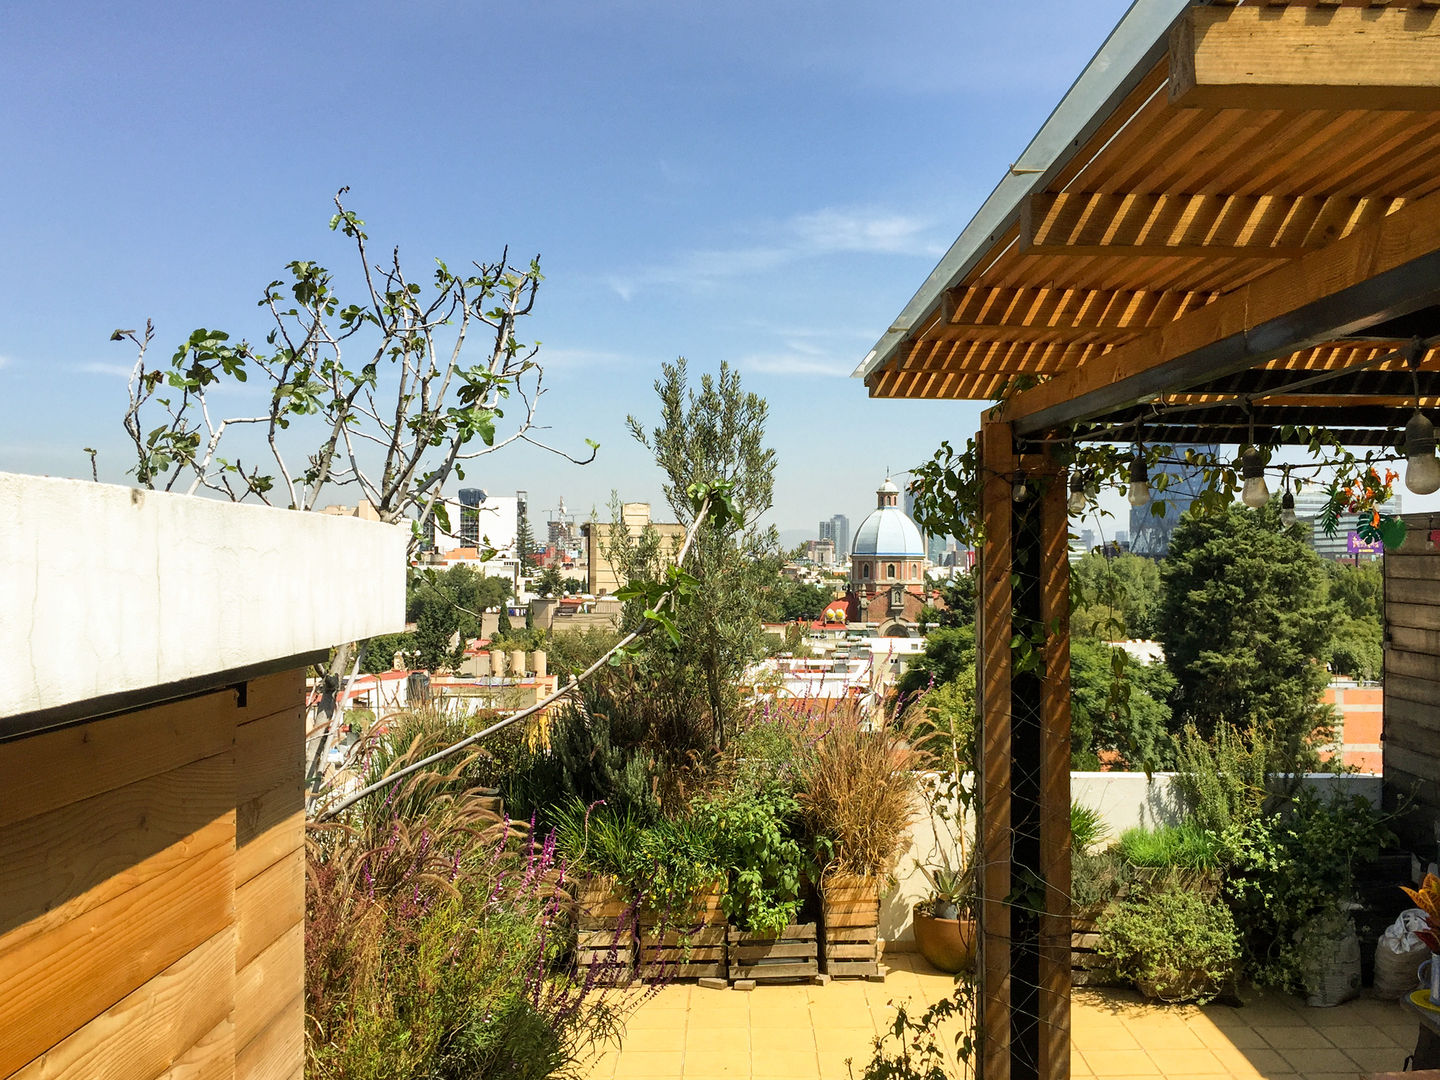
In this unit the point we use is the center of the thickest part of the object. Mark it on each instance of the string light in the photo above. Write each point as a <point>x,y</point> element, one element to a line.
<point>1422,467</point>
<point>1019,491</point>
<point>1076,505</point>
<point>1252,469</point>
<point>1139,493</point>
<point>1287,503</point>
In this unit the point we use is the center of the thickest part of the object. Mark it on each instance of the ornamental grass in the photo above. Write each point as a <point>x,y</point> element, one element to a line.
<point>858,792</point>
<point>434,939</point>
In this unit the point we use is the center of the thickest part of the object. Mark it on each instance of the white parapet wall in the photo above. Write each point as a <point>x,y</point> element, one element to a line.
<point>106,590</point>
<point>1124,800</point>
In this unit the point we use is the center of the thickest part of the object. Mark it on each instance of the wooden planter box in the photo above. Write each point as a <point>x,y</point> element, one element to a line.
<point>684,945</point>
<point>1086,966</point>
<point>604,932</point>
<point>791,954</point>
<point>850,926</point>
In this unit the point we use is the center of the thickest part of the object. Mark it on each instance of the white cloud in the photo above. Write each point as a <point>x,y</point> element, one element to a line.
<point>862,231</point>
<point>798,357</point>
<point>100,367</point>
<point>828,231</point>
<point>578,358</point>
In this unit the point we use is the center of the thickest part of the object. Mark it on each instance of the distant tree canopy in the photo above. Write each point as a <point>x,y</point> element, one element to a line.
<point>448,605</point>
<point>957,604</point>
<point>1119,706</point>
<point>1358,594</point>
<point>949,656</point>
<point>549,582</point>
<point>1246,621</point>
<point>791,600</point>
<point>1114,598</point>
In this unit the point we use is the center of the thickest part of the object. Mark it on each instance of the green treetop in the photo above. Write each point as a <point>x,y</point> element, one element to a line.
<point>1245,620</point>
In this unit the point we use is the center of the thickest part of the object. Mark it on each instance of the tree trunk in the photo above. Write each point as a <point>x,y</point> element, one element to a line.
<point>331,710</point>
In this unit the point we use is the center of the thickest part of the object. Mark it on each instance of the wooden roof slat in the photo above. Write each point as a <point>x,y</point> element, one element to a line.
<point>1251,57</point>
<point>1266,226</point>
<point>1388,244</point>
<point>975,312</point>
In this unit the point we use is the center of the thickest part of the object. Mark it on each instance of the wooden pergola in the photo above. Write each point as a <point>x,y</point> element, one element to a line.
<point>1229,225</point>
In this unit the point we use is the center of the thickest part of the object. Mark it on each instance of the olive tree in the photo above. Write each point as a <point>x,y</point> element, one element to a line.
<point>714,434</point>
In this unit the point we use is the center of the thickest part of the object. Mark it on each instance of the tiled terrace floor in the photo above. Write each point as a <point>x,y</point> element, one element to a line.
<point>807,1032</point>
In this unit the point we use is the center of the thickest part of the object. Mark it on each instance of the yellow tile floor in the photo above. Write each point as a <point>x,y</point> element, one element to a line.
<point>808,1032</point>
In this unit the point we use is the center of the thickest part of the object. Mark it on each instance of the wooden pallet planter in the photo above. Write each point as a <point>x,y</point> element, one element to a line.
<point>1087,968</point>
<point>850,909</point>
<point>605,947</point>
<point>771,957</point>
<point>687,945</point>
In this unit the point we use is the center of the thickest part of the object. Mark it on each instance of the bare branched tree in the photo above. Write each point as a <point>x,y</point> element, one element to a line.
<point>389,396</point>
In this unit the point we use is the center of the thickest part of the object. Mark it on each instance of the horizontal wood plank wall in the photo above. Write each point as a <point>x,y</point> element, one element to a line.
<point>1411,734</point>
<point>270,881</point>
<point>120,919</point>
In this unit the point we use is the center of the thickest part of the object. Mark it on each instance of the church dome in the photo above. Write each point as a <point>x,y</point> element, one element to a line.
<point>888,531</point>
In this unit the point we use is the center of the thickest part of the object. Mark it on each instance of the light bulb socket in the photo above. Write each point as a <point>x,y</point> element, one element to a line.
<point>1252,465</point>
<point>1077,483</point>
<point>1419,435</point>
<point>1139,470</point>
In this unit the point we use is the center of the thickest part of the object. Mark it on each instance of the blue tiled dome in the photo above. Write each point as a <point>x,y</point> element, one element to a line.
<point>886,532</point>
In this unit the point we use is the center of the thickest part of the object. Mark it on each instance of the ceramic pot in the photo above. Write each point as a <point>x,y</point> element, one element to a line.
<point>948,944</point>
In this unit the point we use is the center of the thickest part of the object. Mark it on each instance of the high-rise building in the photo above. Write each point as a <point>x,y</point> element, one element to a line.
<point>1150,532</point>
<point>837,531</point>
<point>470,500</point>
<point>560,528</point>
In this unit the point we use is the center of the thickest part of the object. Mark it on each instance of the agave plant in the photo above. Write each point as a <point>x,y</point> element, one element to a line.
<point>1427,899</point>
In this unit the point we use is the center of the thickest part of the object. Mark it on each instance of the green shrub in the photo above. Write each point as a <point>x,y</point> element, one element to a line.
<point>1168,847</point>
<point>661,866</point>
<point>1224,781</point>
<point>1284,872</point>
<point>1096,878</point>
<point>1175,944</point>
<point>758,847</point>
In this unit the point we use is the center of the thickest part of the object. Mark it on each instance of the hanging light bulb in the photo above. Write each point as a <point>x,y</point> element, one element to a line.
<point>1422,468</point>
<point>1287,509</point>
<point>1139,479</point>
<point>1252,468</point>
<point>1076,505</point>
<point>1019,491</point>
<point>1287,503</point>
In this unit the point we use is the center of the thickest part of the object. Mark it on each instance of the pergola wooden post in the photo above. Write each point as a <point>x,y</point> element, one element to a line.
<point>1023,771</point>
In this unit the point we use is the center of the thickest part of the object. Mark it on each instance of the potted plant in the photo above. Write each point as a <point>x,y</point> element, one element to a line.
<point>857,795</point>
<point>944,921</point>
<point>1174,945</point>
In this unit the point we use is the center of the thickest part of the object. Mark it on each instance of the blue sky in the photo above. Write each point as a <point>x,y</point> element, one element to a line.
<point>764,184</point>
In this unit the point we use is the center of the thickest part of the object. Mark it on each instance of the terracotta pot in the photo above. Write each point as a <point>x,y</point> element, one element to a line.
<point>949,944</point>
